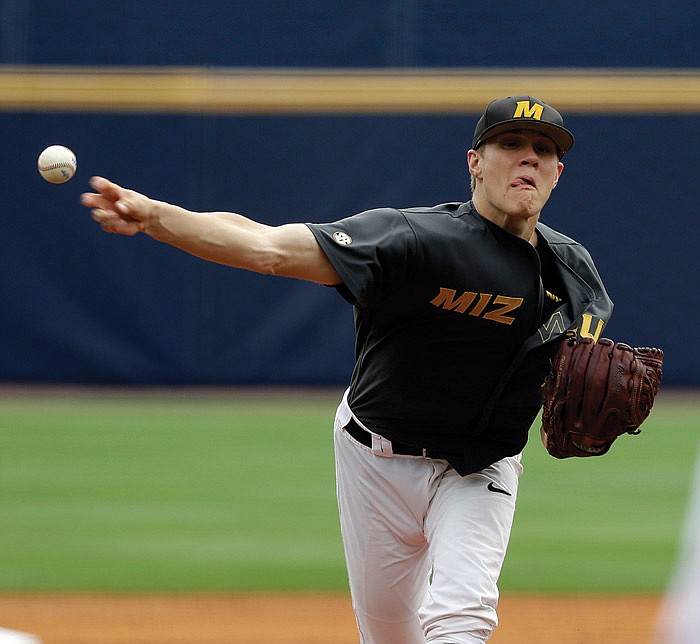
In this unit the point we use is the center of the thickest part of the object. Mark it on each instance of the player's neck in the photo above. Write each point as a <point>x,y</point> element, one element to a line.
<point>517,225</point>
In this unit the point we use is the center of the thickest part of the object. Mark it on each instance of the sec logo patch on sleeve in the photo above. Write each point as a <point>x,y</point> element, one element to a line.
<point>341,238</point>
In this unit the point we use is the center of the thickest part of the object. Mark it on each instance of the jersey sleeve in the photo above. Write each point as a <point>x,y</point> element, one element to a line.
<point>371,252</point>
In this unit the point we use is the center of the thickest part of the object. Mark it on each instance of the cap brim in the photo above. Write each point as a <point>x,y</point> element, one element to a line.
<point>560,135</point>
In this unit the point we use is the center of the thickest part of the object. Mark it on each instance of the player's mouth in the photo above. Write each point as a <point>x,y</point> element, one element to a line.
<point>523,182</point>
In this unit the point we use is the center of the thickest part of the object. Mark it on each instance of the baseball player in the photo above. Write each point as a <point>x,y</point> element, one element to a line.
<point>458,310</point>
<point>678,621</point>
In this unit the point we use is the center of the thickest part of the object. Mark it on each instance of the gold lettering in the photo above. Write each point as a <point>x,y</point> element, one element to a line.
<point>508,304</point>
<point>484,299</point>
<point>586,324</point>
<point>524,109</point>
<point>446,299</point>
<point>555,324</point>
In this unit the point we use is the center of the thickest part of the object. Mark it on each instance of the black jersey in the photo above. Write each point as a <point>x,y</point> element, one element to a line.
<point>454,324</point>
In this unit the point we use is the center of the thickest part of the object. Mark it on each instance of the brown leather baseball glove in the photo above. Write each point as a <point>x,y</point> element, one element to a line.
<point>596,392</point>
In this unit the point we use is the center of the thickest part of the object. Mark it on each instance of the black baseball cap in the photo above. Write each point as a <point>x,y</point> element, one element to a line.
<point>522,113</point>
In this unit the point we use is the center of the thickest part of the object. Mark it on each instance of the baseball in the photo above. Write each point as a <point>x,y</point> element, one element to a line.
<point>57,164</point>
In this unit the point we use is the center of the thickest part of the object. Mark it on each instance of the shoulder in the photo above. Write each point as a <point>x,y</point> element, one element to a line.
<point>446,218</point>
<point>452,211</point>
<point>391,224</point>
<point>573,254</point>
<point>451,208</point>
<point>565,247</point>
<point>555,238</point>
<point>377,226</point>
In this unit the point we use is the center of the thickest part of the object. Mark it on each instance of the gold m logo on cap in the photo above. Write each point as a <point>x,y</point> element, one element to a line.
<point>523,109</point>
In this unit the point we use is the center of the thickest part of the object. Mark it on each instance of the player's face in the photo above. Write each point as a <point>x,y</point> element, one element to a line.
<point>518,171</point>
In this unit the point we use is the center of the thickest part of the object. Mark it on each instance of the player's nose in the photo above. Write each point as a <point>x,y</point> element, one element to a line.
<point>529,156</point>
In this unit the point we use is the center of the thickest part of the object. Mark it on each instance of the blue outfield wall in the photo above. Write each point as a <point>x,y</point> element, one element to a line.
<point>84,306</point>
<point>81,306</point>
<point>352,33</point>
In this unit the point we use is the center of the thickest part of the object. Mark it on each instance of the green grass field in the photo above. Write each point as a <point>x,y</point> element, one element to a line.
<point>183,492</point>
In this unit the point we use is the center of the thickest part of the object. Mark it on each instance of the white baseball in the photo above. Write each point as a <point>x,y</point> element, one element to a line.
<point>57,164</point>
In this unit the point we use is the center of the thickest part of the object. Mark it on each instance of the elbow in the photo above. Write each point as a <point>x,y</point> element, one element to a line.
<point>268,262</point>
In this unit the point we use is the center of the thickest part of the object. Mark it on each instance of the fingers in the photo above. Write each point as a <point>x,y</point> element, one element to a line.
<point>112,223</point>
<point>102,199</point>
<point>107,196</point>
<point>106,188</point>
<point>97,201</point>
<point>113,207</point>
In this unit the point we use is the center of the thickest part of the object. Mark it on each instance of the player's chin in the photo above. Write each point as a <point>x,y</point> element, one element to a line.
<point>528,203</point>
<point>526,209</point>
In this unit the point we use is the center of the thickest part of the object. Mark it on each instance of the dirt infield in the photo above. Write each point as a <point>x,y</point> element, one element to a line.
<point>302,619</point>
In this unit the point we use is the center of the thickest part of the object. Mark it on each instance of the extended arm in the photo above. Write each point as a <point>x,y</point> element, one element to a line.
<point>289,250</point>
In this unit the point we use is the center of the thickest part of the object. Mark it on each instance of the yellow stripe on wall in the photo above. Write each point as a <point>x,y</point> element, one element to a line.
<point>199,90</point>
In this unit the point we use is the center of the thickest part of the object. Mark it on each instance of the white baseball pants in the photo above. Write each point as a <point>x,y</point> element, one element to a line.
<point>423,545</point>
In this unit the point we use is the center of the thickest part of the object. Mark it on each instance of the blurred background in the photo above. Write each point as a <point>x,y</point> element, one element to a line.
<point>184,441</point>
<point>312,111</point>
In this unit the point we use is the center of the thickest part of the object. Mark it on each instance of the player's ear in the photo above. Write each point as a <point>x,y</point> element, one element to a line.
<point>474,163</point>
<point>560,169</point>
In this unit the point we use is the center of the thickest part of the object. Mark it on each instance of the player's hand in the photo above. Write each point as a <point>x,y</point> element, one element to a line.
<point>118,210</point>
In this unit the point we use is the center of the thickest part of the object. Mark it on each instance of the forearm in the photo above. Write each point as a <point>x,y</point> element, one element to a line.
<point>227,238</point>
<point>224,238</point>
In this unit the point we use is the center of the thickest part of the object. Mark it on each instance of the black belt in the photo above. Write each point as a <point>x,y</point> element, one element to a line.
<point>361,435</point>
